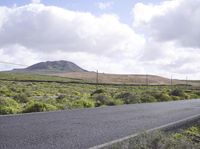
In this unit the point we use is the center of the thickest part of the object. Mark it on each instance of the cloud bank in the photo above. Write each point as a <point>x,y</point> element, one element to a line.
<point>172,34</point>
<point>163,40</point>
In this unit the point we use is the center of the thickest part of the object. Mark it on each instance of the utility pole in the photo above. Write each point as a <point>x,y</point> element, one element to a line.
<point>147,81</point>
<point>97,79</point>
<point>186,82</point>
<point>171,82</point>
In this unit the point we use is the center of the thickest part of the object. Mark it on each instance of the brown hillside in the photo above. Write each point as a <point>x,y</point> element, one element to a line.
<point>118,79</point>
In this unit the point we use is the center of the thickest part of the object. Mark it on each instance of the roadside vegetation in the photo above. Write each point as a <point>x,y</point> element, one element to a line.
<point>185,139</point>
<point>18,94</point>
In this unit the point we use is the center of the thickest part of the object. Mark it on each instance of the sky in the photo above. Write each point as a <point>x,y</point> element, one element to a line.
<point>160,37</point>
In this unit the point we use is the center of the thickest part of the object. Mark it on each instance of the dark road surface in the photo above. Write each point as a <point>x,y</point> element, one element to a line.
<point>84,128</point>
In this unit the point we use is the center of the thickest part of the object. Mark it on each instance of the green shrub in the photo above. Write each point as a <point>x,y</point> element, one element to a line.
<point>39,107</point>
<point>112,102</point>
<point>21,97</point>
<point>61,96</point>
<point>147,98</point>
<point>197,93</point>
<point>124,95</point>
<point>179,136</point>
<point>129,98</point>
<point>177,92</point>
<point>5,91</point>
<point>9,106</point>
<point>188,91</point>
<point>7,110</point>
<point>83,103</point>
<point>164,97</point>
<point>100,99</point>
<point>155,94</point>
<point>160,140</point>
<point>63,104</point>
<point>186,96</point>
<point>176,98</point>
<point>193,131</point>
<point>76,93</point>
<point>62,100</point>
<point>13,89</point>
<point>99,91</point>
<point>193,96</point>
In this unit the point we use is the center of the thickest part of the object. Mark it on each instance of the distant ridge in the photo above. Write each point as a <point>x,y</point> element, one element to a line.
<point>52,67</point>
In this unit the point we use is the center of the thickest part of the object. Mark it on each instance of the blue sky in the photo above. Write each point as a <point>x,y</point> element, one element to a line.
<point>122,8</point>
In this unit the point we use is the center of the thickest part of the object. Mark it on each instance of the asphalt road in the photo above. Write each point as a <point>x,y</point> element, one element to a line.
<point>74,129</point>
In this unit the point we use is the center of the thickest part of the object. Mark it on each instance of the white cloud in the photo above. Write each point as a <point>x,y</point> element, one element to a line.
<point>52,28</point>
<point>169,42</point>
<point>53,33</point>
<point>176,20</point>
<point>173,36</point>
<point>144,13</point>
<point>105,5</point>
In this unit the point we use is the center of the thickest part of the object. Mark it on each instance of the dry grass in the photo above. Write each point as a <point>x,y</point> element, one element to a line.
<point>119,79</point>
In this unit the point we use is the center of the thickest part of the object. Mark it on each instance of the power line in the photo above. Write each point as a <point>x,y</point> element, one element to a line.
<point>10,63</point>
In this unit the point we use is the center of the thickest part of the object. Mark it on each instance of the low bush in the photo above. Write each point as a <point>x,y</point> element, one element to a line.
<point>186,96</point>
<point>9,106</point>
<point>160,140</point>
<point>61,100</point>
<point>61,96</point>
<point>129,98</point>
<point>194,96</point>
<point>176,98</point>
<point>64,104</point>
<point>147,98</point>
<point>76,93</point>
<point>177,92</point>
<point>164,97</point>
<point>98,91</point>
<point>83,103</point>
<point>112,102</point>
<point>197,93</point>
<point>39,107</point>
<point>188,91</point>
<point>4,91</point>
<point>7,110</point>
<point>100,99</point>
<point>21,97</point>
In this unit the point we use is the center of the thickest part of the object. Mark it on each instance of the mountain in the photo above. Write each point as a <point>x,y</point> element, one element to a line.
<point>70,70</point>
<point>52,67</point>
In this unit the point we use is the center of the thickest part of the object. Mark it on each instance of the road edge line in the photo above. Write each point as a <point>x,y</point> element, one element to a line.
<point>162,127</point>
